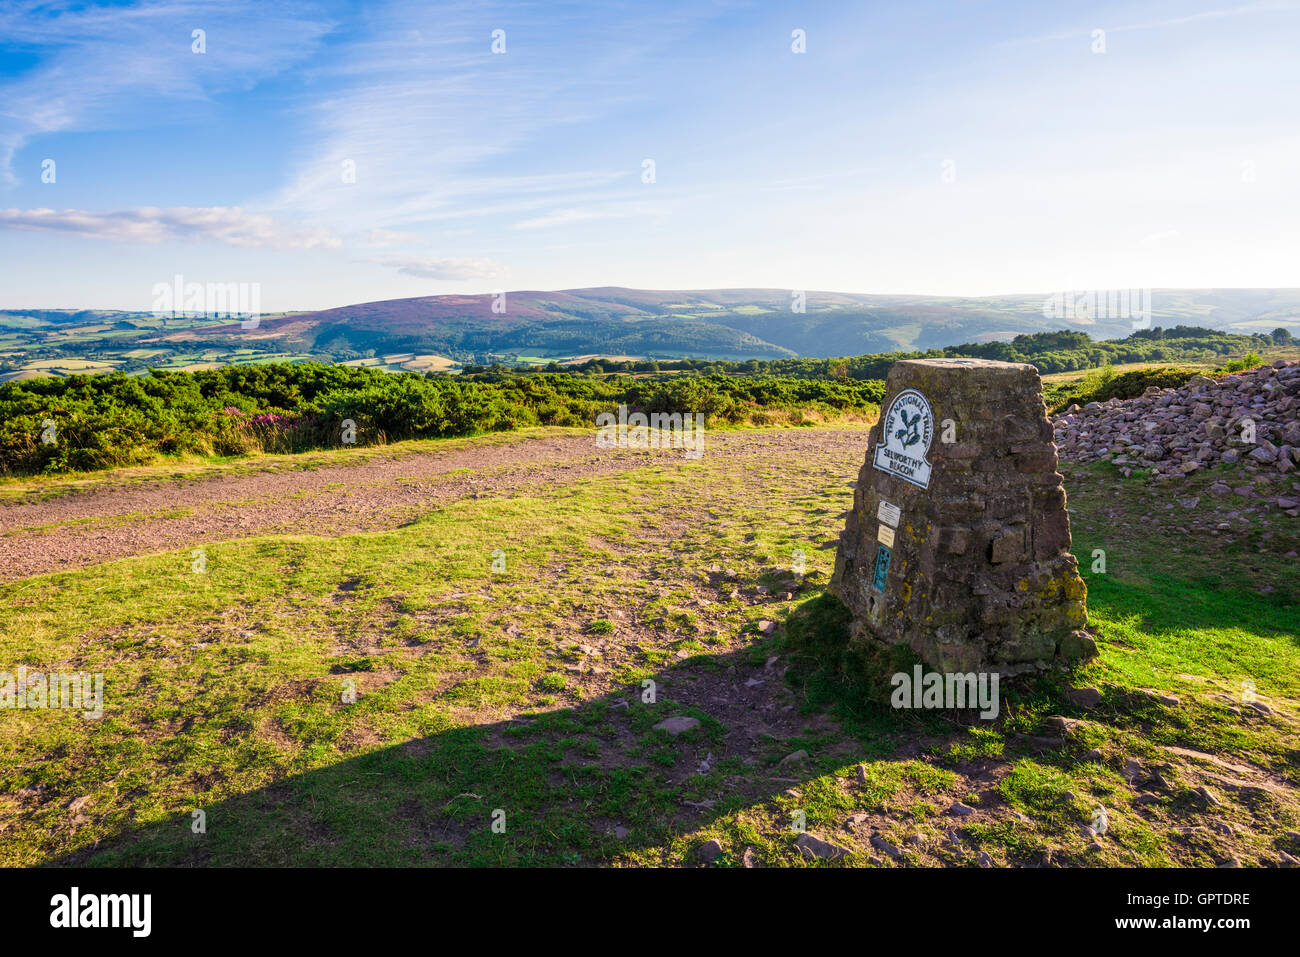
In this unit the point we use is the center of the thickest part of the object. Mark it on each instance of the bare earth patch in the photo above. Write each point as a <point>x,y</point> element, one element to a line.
<point>101,524</point>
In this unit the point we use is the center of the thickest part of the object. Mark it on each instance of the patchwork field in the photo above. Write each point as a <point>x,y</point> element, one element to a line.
<point>456,653</point>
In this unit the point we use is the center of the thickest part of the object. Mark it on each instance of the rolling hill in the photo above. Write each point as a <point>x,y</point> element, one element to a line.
<point>537,326</point>
<point>726,323</point>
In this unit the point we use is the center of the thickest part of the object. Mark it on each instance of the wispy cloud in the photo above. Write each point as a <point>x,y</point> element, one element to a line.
<point>432,268</point>
<point>100,67</point>
<point>569,217</point>
<point>231,226</point>
<point>1262,6</point>
<point>391,237</point>
<point>435,124</point>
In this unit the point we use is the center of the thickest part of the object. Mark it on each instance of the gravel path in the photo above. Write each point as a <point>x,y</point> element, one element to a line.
<point>108,522</point>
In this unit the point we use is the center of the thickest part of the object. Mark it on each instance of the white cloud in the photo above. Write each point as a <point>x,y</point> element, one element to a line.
<point>422,267</point>
<point>231,226</point>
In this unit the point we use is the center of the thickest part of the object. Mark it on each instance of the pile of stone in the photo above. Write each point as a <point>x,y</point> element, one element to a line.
<point>1251,419</point>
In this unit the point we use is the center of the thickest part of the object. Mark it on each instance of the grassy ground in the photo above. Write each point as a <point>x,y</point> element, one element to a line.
<point>1216,362</point>
<point>502,715</point>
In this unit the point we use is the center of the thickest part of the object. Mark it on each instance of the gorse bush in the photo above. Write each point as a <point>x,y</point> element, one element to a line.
<point>87,422</point>
<point>1104,384</point>
<point>1248,361</point>
<point>1060,351</point>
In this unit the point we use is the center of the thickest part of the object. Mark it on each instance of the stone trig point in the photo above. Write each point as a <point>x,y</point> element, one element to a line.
<point>958,544</point>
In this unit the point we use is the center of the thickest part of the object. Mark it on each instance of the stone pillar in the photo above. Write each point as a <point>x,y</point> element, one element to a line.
<point>958,544</point>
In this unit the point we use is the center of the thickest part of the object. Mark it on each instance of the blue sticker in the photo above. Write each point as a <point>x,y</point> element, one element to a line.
<point>883,557</point>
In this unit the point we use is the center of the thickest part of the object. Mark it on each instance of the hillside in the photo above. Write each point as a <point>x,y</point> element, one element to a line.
<point>726,323</point>
<point>433,332</point>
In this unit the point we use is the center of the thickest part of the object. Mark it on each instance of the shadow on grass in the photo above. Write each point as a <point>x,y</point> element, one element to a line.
<point>580,785</point>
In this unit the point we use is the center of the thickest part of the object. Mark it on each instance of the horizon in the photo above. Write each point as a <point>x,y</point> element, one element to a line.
<point>334,152</point>
<point>773,289</point>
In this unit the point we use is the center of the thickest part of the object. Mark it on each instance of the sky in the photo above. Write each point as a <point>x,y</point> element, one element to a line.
<point>337,152</point>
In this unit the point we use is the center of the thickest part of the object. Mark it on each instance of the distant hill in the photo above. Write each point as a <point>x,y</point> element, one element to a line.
<point>721,323</point>
<point>567,326</point>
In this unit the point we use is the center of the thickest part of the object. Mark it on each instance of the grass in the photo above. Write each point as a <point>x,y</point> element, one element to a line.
<point>1208,363</point>
<point>387,698</point>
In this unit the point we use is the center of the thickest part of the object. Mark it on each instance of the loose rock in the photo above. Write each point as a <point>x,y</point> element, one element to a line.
<point>1086,698</point>
<point>880,844</point>
<point>676,726</point>
<point>812,847</point>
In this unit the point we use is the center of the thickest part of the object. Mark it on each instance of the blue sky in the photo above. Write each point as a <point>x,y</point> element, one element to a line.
<point>950,148</point>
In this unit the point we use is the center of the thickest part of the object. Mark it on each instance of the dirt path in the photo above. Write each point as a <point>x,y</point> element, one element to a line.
<point>107,522</point>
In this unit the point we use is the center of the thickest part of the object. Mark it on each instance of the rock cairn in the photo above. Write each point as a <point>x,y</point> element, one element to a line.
<point>1250,419</point>
<point>964,554</point>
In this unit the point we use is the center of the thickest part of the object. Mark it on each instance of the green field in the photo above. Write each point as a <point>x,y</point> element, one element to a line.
<point>518,695</point>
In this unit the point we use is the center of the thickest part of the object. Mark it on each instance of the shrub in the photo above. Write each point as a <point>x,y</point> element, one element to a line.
<point>1096,387</point>
<point>103,421</point>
